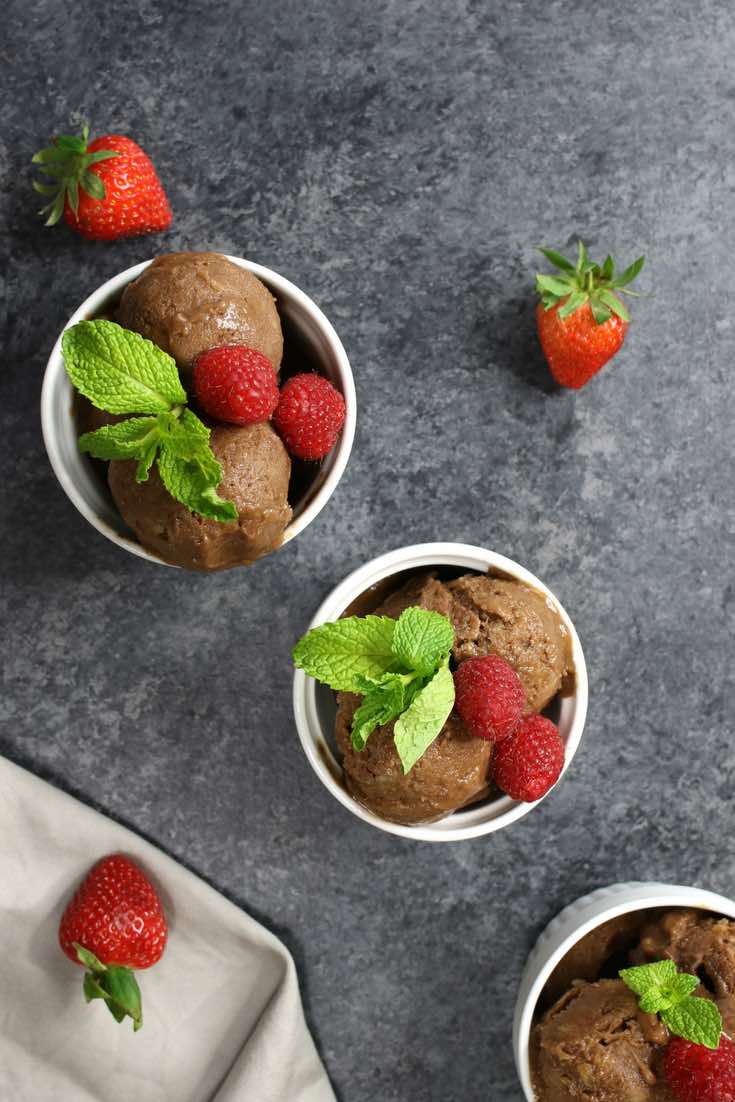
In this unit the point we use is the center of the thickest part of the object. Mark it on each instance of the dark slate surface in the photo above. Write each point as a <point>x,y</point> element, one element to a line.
<point>400,161</point>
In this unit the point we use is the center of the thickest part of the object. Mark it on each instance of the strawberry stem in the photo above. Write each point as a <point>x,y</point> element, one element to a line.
<point>574,285</point>
<point>68,161</point>
<point>114,984</point>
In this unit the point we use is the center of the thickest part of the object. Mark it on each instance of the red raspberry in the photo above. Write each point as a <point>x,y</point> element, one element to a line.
<point>489,697</point>
<point>310,416</point>
<point>528,763</point>
<point>235,384</point>
<point>698,1074</point>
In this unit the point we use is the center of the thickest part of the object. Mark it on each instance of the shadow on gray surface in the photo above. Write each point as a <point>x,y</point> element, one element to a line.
<point>515,341</point>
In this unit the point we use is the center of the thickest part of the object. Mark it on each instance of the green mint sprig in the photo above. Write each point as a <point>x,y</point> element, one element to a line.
<point>399,667</point>
<point>664,991</point>
<point>121,372</point>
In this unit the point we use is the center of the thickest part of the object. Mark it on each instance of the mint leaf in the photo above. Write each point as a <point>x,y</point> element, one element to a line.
<point>187,435</point>
<point>126,440</point>
<point>120,371</point>
<point>679,989</point>
<point>666,992</point>
<point>646,978</point>
<point>659,985</point>
<point>194,482</point>
<point>422,639</point>
<point>382,704</point>
<point>393,665</point>
<point>696,1020</point>
<point>424,718</point>
<point>669,994</point>
<point>145,462</point>
<point>345,653</point>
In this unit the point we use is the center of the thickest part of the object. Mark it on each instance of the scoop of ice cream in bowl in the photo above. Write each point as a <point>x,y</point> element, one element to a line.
<point>440,692</point>
<point>630,994</point>
<point>181,455</point>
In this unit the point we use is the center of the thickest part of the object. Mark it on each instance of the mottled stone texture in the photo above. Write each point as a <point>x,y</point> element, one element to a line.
<point>400,160</point>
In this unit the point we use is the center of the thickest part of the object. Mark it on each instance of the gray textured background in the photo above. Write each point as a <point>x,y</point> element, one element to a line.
<point>399,161</point>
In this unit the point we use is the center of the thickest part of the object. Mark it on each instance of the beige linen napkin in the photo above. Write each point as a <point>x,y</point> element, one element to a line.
<point>221,1010</point>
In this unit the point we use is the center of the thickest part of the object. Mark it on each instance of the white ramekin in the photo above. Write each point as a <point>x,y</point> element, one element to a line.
<point>572,924</point>
<point>75,472</point>
<point>314,706</point>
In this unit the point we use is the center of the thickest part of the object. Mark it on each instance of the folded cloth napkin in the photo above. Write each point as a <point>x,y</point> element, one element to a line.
<point>221,1010</point>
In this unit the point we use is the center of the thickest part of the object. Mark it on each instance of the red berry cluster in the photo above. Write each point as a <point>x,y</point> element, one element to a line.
<point>529,752</point>
<point>239,385</point>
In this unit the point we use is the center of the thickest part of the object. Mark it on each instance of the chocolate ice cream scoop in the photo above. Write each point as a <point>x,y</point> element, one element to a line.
<point>594,1045</point>
<point>505,617</point>
<point>255,476</point>
<point>699,944</point>
<point>588,958</point>
<point>496,616</point>
<point>452,772</point>
<point>489,616</point>
<point>188,302</point>
<point>422,591</point>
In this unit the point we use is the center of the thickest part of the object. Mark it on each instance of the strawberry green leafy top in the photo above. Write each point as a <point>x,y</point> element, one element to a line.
<point>575,284</point>
<point>121,372</point>
<point>68,162</point>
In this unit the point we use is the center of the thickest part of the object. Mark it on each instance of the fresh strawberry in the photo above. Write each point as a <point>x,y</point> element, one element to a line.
<point>236,384</point>
<point>113,924</point>
<point>698,1074</point>
<point>105,189</point>
<point>489,697</point>
<point>309,416</point>
<point>581,320</point>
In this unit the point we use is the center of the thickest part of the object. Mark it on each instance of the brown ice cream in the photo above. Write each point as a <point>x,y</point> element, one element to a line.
<point>701,945</point>
<point>594,1045</point>
<point>588,958</point>
<point>489,616</point>
<point>502,616</point>
<point>451,773</point>
<point>187,302</point>
<point>422,591</point>
<point>497,616</point>
<point>255,475</point>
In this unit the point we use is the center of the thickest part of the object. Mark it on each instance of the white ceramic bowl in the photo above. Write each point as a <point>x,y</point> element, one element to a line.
<point>315,708</point>
<point>572,924</point>
<point>75,471</point>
